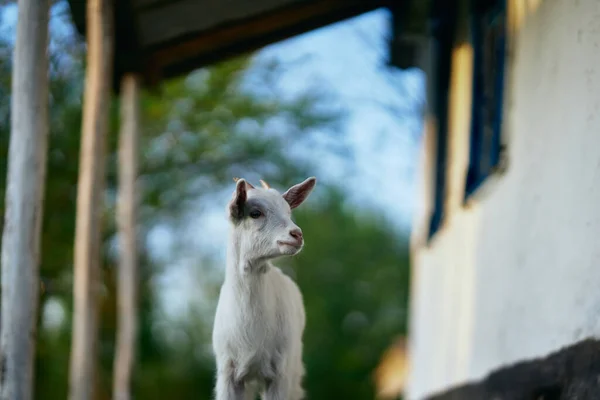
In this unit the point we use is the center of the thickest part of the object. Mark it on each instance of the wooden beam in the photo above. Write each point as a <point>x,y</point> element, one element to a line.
<point>268,22</point>
<point>168,21</point>
<point>24,201</point>
<point>90,193</point>
<point>127,278</point>
<point>198,49</point>
<point>410,34</point>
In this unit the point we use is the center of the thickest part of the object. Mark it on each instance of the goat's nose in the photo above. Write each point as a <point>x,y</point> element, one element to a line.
<point>296,233</point>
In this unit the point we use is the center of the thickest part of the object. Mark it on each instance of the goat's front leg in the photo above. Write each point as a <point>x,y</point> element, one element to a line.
<point>277,389</point>
<point>228,387</point>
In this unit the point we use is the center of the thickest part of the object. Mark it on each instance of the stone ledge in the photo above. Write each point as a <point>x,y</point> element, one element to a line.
<point>572,373</point>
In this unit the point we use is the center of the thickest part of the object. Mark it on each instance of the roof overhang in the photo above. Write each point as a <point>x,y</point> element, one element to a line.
<point>165,38</point>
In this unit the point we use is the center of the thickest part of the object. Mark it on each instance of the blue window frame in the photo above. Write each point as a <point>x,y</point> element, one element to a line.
<point>443,32</point>
<point>488,22</point>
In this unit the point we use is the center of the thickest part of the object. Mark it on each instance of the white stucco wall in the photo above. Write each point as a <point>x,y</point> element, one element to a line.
<point>516,274</point>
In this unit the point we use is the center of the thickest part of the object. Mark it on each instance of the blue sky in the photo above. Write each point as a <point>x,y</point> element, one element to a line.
<point>348,58</point>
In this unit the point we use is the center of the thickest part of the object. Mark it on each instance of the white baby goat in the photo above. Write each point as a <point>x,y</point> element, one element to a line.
<point>257,336</point>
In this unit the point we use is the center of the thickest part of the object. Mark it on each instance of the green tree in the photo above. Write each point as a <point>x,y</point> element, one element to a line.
<point>353,274</point>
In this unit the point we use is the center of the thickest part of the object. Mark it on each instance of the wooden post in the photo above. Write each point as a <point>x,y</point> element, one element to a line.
<point>127,278</point>
<point>90,192</point>
<point>24,201</point>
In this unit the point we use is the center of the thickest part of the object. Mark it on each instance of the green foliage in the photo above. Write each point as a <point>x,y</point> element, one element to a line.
<point>201,131</point>
<point>354,278</point>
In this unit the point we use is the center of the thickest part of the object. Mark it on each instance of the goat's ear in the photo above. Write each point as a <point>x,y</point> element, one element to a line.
<point>298,193</point>
<point>240,195</point>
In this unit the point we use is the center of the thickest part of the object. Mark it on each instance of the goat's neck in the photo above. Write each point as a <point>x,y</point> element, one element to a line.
<point>241,269</point>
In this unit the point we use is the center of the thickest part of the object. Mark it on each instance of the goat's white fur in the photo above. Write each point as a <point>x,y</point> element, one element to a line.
<point>259,322</point>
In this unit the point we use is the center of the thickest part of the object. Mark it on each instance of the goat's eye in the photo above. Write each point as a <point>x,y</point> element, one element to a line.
<point>255,214</point>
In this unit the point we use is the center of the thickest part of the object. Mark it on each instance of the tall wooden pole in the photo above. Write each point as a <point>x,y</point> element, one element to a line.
<point>24,201</point>
<point>90,192</point>
<point>127,279</point>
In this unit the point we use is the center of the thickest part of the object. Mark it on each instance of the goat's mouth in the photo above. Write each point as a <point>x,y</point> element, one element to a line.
<point>295,245</point>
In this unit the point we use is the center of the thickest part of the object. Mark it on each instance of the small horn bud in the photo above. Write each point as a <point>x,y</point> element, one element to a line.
<point>248,184</point>
<point>264,184</point>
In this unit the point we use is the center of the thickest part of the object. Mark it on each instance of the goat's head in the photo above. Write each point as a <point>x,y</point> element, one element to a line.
<point>262,219</point>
